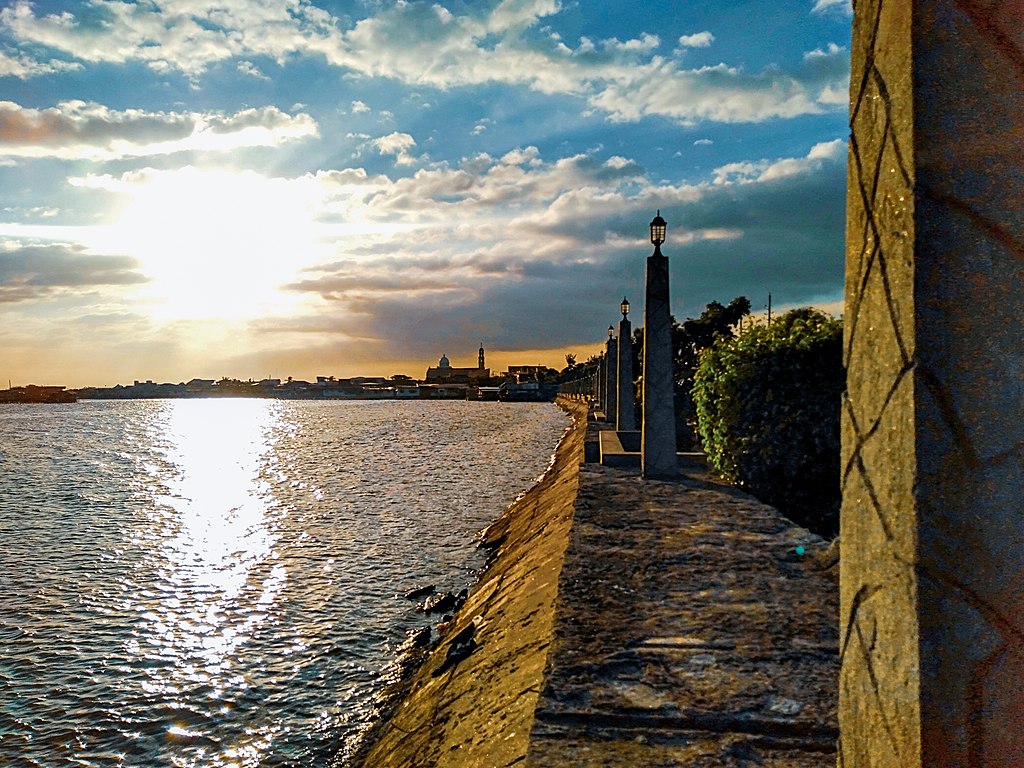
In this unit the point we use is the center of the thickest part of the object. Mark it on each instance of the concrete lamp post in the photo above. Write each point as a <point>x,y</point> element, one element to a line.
<point>611,385</point>
<point>624,419</point>
<point>658,431</point>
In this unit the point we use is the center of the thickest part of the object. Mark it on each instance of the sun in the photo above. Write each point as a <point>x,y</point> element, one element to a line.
<point>218,243</point>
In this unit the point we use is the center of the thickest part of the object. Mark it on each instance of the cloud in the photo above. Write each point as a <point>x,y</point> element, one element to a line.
<point>703,143</point>
<point>397,144</point>
<point>766,170</point>
<point>359,107</point>
<point>698,40</point>
<point>519,14</point>
<point>499,241</point>
<point>529,155</point>
<point>87,130</point>
<point>23,67</point>
<point>250,69</point>
<point>171,36</point>
<point>30,272</point>
<point>842,6</point>
<point>483,249</point>
<point>427,45</point>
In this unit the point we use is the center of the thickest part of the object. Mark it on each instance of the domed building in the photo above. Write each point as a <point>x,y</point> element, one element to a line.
<point>444,373</point>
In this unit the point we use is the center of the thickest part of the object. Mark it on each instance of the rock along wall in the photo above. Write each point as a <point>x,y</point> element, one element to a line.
<point>479,710</point>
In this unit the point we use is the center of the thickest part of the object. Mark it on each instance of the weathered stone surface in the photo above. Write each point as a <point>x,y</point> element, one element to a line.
<point>611,403</point>
<point>658,441</point>
<point>625,400</point>
<point>473,705</point>
<point>933,548</point>
<point>689,632</point>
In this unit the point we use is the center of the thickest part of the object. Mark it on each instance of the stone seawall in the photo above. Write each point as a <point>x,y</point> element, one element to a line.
<point>625,623</point>
<point>472,702</point>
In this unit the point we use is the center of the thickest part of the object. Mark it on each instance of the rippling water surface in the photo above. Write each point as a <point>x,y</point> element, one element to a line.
<point>213,582</point>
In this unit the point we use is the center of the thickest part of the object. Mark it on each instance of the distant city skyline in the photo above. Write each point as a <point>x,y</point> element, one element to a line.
<point>305,188</point>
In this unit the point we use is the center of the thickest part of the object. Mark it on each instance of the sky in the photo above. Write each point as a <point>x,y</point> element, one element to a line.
<point>273,188</point>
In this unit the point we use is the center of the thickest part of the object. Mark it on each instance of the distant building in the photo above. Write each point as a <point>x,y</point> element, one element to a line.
<point>365,381</point>
<point>515,371</point>
<point>445,373</point>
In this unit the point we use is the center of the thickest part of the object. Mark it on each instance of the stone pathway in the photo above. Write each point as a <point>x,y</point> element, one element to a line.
<point>628,624</point>
<point>690,630</point>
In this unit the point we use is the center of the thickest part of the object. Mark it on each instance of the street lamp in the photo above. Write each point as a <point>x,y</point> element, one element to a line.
<point>611,332</point>
<point>658,227</point>
<point>624,307</point>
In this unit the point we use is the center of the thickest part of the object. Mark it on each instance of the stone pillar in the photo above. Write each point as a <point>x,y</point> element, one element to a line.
<point>599,383</point>
<point>625,418</point>
<point>932,567</point>
<point>658,431</point>
<point>611,394</point>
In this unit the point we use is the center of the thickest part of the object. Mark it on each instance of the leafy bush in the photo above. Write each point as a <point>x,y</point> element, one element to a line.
<point>767,407</point>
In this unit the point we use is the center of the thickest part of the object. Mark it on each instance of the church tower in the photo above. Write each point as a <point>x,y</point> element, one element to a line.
<point>480,357</point>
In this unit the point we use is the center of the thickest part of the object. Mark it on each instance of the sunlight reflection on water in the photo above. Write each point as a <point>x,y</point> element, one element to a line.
<point>213,582</point>
<point>213,522</point>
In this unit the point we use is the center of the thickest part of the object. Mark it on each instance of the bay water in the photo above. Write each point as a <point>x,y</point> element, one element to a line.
<point>217,582</point>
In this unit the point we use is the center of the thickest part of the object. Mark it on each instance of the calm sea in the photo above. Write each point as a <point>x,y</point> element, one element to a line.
<point>214,582</point>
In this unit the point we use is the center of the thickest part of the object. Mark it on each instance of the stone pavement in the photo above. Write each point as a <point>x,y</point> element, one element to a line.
<point>688,632</point>
<point>630,623</point>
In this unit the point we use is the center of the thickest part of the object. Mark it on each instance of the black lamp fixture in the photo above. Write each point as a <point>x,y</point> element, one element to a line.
<point>658,227</point>
<point>624,307</point>
<point>611,332</point>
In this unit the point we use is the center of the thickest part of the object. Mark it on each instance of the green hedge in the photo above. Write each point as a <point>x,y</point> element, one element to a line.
<point>767,407</point>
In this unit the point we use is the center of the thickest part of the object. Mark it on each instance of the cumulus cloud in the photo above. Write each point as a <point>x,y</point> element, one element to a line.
<point>397,144</point>
<point>40,271</point>
<point>87,130</point>
<point>24,67</point>
<point>183,37</point>
<point>697,40</point>
<point>767,170</point>
<point>427,45</point>
<point>250,69</point>
<point>529,155</point>
<point>499,239</point>
<point>358,107</point>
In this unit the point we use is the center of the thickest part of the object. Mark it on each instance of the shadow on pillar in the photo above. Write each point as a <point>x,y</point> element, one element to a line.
<point>658,430</point>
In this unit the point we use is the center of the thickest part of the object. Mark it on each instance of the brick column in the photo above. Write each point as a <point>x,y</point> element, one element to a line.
<point>932,561</point>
